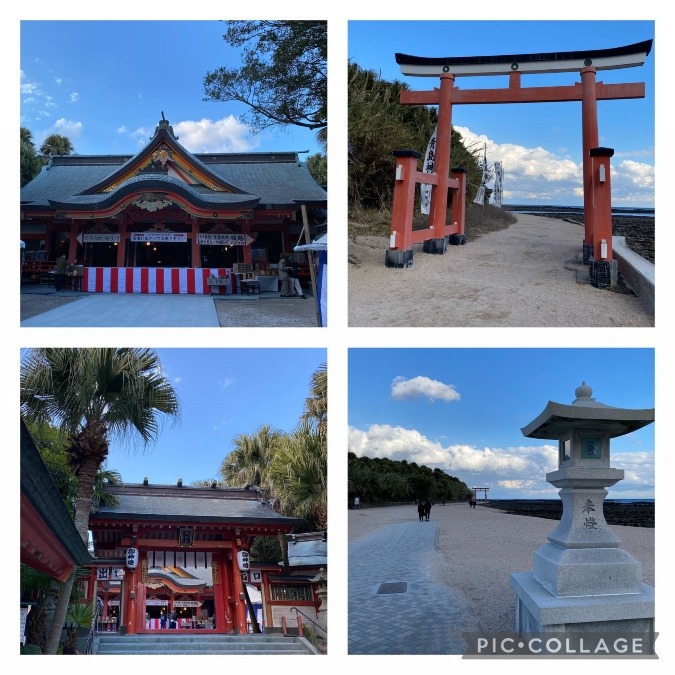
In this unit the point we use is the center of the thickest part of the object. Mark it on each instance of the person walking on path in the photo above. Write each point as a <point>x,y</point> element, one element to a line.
<point>427,508</point>
<point>420,510</point>
<point>61,268</point>
<point>296,288</point>
<point>284,278</point>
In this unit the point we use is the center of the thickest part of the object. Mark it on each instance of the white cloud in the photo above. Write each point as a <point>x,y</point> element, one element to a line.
<point>178,379</point>
<point>224,135</point>
<point>121,130</point>
<point>74,96</point>
<point>68,128</point>
<point>536,174</point>
<point>422,387</point>
<point>226,383</point>
<point>58,81</point>
<point>516,471</point>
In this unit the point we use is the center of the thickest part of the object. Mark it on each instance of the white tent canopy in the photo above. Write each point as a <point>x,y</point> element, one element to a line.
<point>320,244</point>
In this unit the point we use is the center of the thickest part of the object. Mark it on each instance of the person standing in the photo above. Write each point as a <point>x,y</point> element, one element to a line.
<point>420,511</point>
<point>284,278</point>
<point>427,508</point>
<point>296,288</point>
<point>61,268</point>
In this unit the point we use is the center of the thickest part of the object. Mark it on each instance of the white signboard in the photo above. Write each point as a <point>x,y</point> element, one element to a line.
<point>429,159</point>
<point>100,238</point>
<point>499,176</point>
<point>187,603</point>
<point>155,602</point>
<point>160,237</point>
<point>224,239</point>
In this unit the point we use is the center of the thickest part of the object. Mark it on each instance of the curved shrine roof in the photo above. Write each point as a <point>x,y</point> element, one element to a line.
<point>269,180</point>
<point>190,504</point>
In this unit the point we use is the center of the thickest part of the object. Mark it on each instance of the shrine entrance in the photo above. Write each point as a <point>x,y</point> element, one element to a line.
<point>174,558</point>
<point>597,242</point>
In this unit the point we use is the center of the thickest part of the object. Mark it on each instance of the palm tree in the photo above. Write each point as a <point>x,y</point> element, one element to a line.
<point>102,496</point>
<point>56,144</point>
<point>29,161</point>
<point>316,405</point>
<point>91,393</point>
<point>248,463</point>
<point>298,474</point>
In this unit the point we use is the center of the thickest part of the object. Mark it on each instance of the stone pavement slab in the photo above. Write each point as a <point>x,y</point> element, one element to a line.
<point>131,310</point>
<point>425,619</point>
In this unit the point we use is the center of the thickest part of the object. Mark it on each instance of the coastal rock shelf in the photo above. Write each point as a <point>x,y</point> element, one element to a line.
<point>632,514</point>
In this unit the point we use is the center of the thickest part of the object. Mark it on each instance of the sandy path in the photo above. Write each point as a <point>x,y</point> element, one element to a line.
<point>481,547</point>
<point>514,277</point>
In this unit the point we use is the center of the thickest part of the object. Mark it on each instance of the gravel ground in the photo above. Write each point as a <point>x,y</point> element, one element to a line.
<point>527,275</point>
<point>33,303</point>
<point>483,546</point>
<point>268,312</point>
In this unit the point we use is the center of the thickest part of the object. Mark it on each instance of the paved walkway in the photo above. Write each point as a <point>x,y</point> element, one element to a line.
<point>425,619</point>
<point>131,310</point>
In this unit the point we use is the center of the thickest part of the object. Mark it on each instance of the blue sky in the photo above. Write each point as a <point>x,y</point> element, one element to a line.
<point>462,410</point>
<point>104,85</point>
<point>539,144</point>
<point>223,393</point>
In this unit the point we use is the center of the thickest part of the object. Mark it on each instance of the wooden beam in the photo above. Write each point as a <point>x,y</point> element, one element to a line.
<point>515,94</point>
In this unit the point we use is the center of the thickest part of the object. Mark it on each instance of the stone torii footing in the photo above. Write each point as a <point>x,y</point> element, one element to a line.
<point>597,248</point>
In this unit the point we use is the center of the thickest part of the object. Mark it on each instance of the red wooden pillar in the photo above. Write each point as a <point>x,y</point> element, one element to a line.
<point>439,193</point>
<point>122,245</point>
<point>196,260</point>
<point>127,604</point>
<point>139,588</point>
<point>459,202</point>
<point>589,136</point>
<point>602,203</point>
<point>239,602</point>
<point>72,244</point>
<point>222,592</point>
<point>404,200</point>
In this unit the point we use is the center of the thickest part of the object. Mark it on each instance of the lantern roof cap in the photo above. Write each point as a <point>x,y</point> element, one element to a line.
<point>585,412</point>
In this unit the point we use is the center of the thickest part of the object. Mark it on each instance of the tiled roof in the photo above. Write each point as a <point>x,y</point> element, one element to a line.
<point>307,553</point>
<point>274,179</point>
<point>160,182</point>
<point>190,504</point>
<point>37,485</point>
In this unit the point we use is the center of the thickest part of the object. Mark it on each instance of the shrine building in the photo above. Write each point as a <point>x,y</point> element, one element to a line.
<point>172,552</point>
<point>165,220</point>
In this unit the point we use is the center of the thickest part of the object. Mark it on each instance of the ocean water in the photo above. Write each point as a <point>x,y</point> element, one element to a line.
<point>557,210</point>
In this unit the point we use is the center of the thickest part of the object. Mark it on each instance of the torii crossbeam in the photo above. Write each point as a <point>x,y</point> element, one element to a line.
<point>597,245</point>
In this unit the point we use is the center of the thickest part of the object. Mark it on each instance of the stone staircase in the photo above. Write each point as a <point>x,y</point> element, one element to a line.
<point>197,644</point>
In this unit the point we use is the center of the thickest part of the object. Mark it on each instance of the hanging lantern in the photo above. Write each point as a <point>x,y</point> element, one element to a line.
<point>132,558</point>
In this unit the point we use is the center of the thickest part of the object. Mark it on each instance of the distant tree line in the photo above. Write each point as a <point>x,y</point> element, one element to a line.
<point>378,125</point>
<point>380,480</point>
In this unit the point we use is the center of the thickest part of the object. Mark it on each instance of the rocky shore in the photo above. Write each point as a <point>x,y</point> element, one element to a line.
<point>632,514</point>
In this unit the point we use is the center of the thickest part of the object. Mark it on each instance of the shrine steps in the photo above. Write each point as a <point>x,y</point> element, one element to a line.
<point>197,644</point>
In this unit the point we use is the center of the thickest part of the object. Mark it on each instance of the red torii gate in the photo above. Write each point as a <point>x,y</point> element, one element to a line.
<point>597,244</point>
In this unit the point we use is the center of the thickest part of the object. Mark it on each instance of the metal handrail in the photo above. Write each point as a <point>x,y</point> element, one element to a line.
<point>321,628</point>
<point>92,631</point>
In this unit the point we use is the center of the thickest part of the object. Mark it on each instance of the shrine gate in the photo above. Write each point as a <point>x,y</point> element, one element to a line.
<point>597,243</point>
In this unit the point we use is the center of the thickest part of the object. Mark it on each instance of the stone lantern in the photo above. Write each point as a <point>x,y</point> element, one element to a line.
<point>581,581</point>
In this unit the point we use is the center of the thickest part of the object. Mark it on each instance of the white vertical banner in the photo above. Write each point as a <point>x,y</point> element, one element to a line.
<point>429,159</point>
<point>480,195</point>
<point>499,176</point>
